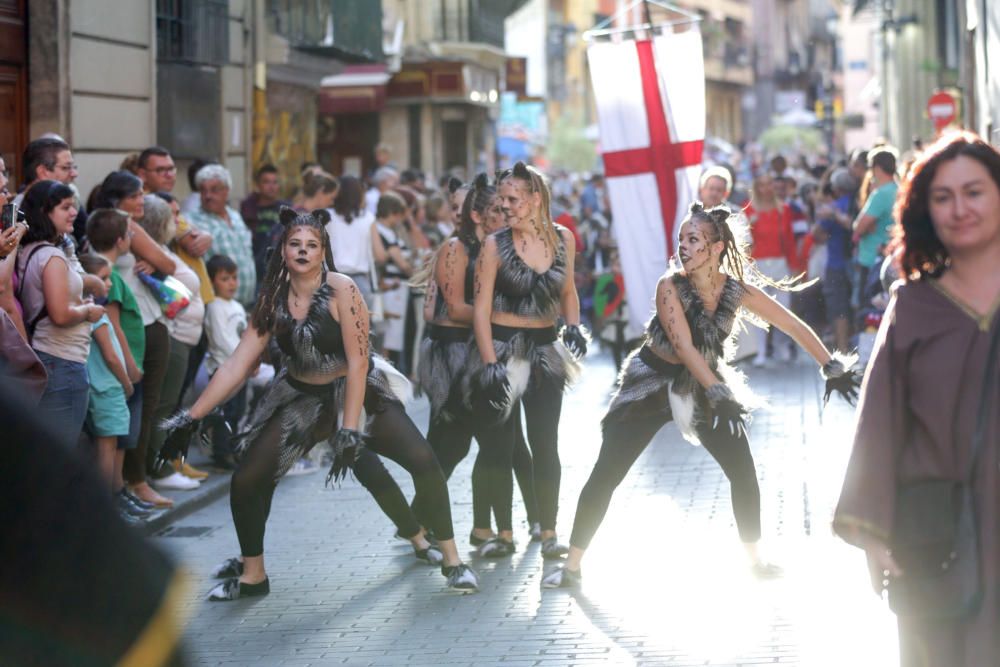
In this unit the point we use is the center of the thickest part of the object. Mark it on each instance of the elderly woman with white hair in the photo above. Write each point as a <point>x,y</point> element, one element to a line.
<point>230,235</point>
<point>185,331</point>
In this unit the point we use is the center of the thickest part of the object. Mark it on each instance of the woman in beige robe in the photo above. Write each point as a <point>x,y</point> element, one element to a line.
<point>923,387</point>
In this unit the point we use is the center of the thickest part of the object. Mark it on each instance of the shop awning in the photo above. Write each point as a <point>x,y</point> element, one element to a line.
<point>358,89</point>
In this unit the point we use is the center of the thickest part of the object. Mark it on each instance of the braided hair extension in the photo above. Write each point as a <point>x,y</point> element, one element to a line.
<point>724,225</point>
<point>274,287</point>
<point>536,183</point>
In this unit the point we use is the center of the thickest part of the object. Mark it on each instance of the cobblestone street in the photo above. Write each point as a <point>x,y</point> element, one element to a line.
<point>665,580</point>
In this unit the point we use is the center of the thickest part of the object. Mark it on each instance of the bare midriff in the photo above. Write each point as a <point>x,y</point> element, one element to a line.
<point>521,322</point>
<point>669,357</point>
<point>320,379</point>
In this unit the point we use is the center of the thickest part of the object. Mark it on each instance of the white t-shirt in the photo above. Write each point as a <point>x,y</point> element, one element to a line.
<point>351,242</point>
<point>371,200</point>
<point>225,322</point>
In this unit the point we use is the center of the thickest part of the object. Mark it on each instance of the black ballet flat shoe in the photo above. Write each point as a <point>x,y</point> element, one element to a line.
<point>478,541</point>
<point>461,578</point>
<point>496,548</point>
<point>552,550</point>
<point>430,555</point>
<point>562,577</point>
<point>234,589</point>
<point>231,567</point>
<point>764,571</point>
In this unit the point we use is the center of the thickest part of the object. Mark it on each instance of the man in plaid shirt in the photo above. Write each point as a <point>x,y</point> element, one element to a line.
<point>230,235</point>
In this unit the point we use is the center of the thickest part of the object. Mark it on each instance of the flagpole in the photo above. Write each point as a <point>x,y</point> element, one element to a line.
<point>601,29</point>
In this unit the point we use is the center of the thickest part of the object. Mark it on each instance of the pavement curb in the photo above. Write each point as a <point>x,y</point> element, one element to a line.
<point>210,490</point>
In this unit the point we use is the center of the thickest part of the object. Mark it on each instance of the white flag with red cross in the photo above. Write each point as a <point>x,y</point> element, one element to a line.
<point>650,97</point>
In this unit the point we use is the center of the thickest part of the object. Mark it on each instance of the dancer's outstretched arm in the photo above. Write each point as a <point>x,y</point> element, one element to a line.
<point>350,310</point>
<point>486,275</point>
<point>768,309</point>
<point>233,373</point>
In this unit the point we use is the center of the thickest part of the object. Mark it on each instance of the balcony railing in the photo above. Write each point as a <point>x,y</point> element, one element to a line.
<point>346,28</point>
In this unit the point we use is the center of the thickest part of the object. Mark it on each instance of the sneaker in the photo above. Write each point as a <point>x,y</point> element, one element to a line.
<point>175,482</point>
<point>136,501</point>
<point>461,577</point>
<point>430,555</point>
<point>232,567</point>
<point>561,577</point>
<point>188,470</point>
<point>496,548</point>
<point>303,466</point>
<point>535,531</point>
<point>129,519</point>
<point>552,550</point>
<point>234,589</point>
<point>138,509</point>
<point>125,507</point>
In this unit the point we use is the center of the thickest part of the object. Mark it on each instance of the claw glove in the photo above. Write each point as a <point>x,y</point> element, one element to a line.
<point>576,338</point>
<point>491,391</point>
<point>347,446</point>
<point>181,427</point>
<point>728,415</point>
<point>841,377</point>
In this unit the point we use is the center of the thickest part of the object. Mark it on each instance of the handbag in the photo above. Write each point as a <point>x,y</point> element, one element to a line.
<point>935,539</point>
<point>19,364</point>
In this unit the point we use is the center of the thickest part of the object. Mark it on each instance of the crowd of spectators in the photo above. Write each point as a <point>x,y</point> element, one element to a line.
<point>82,286</point>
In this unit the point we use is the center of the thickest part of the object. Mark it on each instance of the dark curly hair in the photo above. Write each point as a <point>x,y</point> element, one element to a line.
<point>922,255</point>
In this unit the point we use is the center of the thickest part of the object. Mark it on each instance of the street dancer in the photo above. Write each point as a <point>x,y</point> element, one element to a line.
<point>681,373</point>
<point>523,282</point>
<point>331,388</point>
<point>445,351</point>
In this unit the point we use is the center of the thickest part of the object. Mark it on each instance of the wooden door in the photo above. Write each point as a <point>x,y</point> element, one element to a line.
<point>348,144</point>
<point>13,86</point>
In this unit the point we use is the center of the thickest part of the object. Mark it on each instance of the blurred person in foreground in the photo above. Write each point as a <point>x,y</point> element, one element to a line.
<point>923,387</point>
<point>77,587</point>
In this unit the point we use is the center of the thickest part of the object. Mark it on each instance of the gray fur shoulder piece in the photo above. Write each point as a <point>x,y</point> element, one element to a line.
<point>519,289</point>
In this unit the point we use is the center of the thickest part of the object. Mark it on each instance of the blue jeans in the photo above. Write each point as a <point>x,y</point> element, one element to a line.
<point>64,404</point>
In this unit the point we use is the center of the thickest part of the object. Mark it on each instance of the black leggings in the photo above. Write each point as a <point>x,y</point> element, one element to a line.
<point>451,442</point>
<point>391,434</point>
<point>625,441</point>
<point>542,403</point>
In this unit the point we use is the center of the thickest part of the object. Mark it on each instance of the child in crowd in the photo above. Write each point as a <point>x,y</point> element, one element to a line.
<point>225,322</point>
<point>109,237</point>
<point>107,412</point>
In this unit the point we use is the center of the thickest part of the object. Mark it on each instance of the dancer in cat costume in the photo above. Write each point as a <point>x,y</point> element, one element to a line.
<point>681,373</point>
<point>444,355</point>
<point>523,283</point>
<point>331,389</point>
